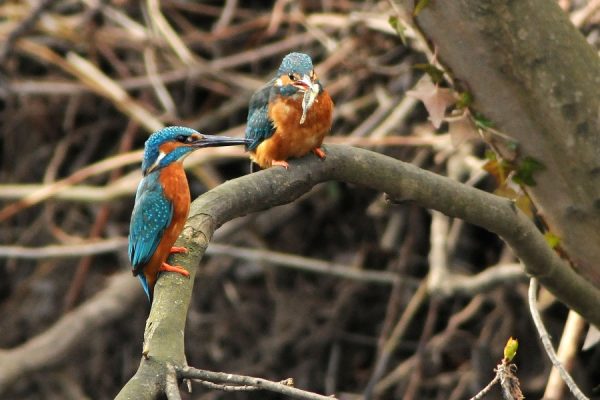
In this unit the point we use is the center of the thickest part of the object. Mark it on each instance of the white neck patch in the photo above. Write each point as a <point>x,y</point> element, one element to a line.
<point>161,155</point>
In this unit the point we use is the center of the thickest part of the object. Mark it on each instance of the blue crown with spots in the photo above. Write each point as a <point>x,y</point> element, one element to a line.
<point>153,143</point>
<point>296,62</point>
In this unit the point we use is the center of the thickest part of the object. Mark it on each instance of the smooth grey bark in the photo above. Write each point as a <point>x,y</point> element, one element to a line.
<point>534,75</point>
<point>276,186</point>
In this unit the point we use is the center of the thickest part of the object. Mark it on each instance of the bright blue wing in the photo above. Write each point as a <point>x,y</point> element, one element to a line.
<point>152,214</point>
<point>259,126</point>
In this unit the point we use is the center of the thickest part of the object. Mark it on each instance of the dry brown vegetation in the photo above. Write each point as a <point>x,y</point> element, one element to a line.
<point>340,290</point>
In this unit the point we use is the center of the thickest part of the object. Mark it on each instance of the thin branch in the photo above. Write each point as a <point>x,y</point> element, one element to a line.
<point>64,251</point>
<point>285,387</point>
<point>171,387</point>
<point>305,264</point>
<point>545,337</point>
<point>486,389</point>
<point>55,344</point>
<point>22,28</point>
<point>162,26</point>
<point>47,191</point>
<point>226,388</point>
<point>43,192</point>
<point>487,279</point>
<point>568,349</point>
<point>415,303</point>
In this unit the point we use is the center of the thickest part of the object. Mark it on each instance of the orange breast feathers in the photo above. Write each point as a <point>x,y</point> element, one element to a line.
<point>176,189</point>
<point>291,139</point>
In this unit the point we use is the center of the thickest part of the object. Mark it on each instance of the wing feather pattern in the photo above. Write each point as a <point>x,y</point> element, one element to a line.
<point>152,214</point>
<point>259,126</point>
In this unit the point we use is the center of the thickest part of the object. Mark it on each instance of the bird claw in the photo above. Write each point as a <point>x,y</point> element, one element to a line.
<point>319,153</point>
<point>175,250</point>
<point>174,268</point>
<point>283,164</point>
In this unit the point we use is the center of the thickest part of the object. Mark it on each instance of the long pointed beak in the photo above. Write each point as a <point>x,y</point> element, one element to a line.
<point>216,141</point>
<point>305,84</point>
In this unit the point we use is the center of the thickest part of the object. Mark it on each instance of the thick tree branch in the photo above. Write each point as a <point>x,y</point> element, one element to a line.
<point>535,76</point>
<point>276,186</point>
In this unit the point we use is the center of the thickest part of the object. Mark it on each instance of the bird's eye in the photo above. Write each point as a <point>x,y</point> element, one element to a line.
<point>293,76</point>
<point>193,137</point>
<point>181,138</point>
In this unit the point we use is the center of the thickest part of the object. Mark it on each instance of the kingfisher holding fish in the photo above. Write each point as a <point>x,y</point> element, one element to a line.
<point>290,115</point>
<point>162,201</point>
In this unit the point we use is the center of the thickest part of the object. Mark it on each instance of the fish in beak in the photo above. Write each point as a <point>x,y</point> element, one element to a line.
<point>311,90</point>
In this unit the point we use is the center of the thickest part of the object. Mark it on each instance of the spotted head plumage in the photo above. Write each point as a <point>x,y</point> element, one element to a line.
<point>299,63</point>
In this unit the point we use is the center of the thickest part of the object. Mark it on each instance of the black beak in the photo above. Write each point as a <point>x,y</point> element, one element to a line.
<point>216,141</point>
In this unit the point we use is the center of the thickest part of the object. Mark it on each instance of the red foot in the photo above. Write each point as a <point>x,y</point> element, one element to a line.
<point>319,153</point>
<point>283,164</point>
<point>174,268</point>
<point>175,250</point>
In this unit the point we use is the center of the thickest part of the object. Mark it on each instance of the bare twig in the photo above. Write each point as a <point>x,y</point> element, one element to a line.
<point>486,389</point>
<point>103,85</point>
<point>93,247</point>
<point>285,387</point>
<point>226,16</point>
<point>172,388</point>
<point>33,194</point>
<point>393,341</point>
<point>96,80</point>
<point>305,264</point>
<point>545,337</point>
<point>161,24</point>
<point>56,343</point>
<point>566,353</point>
<point>23,27</point>
<point>491,277</point>
<point>49,190</point>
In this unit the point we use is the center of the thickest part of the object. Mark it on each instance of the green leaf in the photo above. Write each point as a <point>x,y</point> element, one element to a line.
<point>465,99</point>
<point>436,74</point>
<point>510,350</point>
<point>552,240</point>
<point>525,170</point>
<point>421,4</point>
<point>482,122</point>
<point>490,155</point>
<point>399,28</point>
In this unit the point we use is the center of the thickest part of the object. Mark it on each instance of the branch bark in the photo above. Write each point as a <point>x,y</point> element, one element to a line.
<point>401,181</point>
<point>535,76</point>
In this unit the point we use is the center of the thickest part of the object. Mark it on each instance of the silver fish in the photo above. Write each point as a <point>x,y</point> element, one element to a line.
<point>309,98</point>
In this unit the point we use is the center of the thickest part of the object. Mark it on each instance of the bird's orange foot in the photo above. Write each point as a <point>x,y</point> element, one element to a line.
<point>283,164</point>
<point>319,152</point>
<point>174,268</point>
<point>176,249</point>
